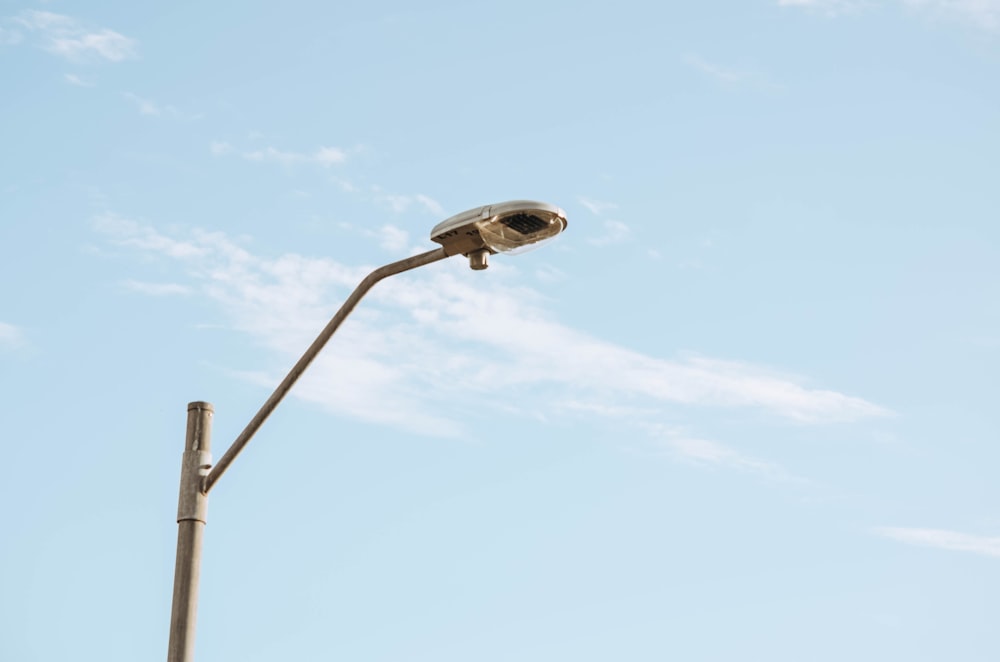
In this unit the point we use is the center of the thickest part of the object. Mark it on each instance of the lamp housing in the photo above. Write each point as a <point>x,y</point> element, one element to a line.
<point>500,228</point>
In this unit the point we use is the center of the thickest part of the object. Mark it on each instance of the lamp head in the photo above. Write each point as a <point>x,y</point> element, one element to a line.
<point>501,228</point>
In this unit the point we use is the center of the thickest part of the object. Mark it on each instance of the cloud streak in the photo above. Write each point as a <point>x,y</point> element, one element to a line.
<point>437,341</point>
<point>952,541</point>
<point>727,75</point>
<point>597,207</point>
<point>615,232</point>
<point>69,38</point>
<point>157,289</point>
<point>982,14</point>
<point>73,79</point>
<point>326,157</point>
<point>10,336</point>
<point>400,203</point>
<point>147,107</point>
<point>323,156</point>
<point>831,7</point>
<point>393,239</point>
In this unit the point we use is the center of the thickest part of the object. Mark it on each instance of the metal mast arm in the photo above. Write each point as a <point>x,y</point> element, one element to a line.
<point>310,354</point>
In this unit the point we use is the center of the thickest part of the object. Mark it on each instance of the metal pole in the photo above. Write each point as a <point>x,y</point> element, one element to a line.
<point>192,513</point>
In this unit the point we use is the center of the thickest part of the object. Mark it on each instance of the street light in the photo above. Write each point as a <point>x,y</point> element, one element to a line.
<point>501,228</point>
<point>504,228</point>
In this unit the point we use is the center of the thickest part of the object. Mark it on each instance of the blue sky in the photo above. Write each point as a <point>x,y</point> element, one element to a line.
<point>743,409</point>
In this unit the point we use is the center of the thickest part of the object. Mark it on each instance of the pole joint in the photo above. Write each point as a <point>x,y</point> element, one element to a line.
<point>192,502</point>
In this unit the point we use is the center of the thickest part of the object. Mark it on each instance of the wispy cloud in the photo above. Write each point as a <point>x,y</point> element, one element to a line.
<point>68,37</point>
<point>400,203</point>
<point>392,239</point>
<point>136,235</point>
<point>147,107</point>
<point>10,336</point>
<point>9,36</point>
<point>614,232</point>
<point>678,442</point>
<point>345,185</point>
<point>982,14</point>
<point>597,207</point>
<point>397,203</point>
<point>705,452</point>
<point>323,156</point>
<point>727,75</point>
<point>151,108</point>
<point>327,157</point>
<point>157,289</point>
<point>549,274</point>
<point>467,341</point>
<point>829,7</point>
<point>943,539</point>
<point>218,148</point>
<point>713,70</point>
<point>73,79</point>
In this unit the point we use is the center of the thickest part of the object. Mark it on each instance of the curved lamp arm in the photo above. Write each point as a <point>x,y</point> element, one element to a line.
<point>293,375</point>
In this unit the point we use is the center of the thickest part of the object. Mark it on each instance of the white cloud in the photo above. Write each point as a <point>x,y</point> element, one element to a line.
<point>390,237</point>
<point>9,37</point>
<point>395,202</point>
<point>703,450</point>
<point>344,185</point>
<point>276,156</point>
<point>615,232</point>
<point>152,109</point>
<point>328,156</point>
<point>136,235</point>
<point>830,7</point>
<point>681,444</point>
<point>106,43</point>
<point>597,207</point>
<point>10,336</point>
<point>145,106</point>
<point>323,156</point>
<point>611,411</point>
<point>706,452</point>
<point>73,79</point>
<point>157,289</point>
<point>432,342</point>
<point>982,14</point>
<point>714,70</point>
<point>728,75</point>
<point>400,203</point>
<point>393,239</point>
<point>944,539</point>
<point>69,38</point>
<point>429,203</point>
<point>549,274</point>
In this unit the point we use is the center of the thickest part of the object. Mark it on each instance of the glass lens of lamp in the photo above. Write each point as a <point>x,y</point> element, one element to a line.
<point>510,232</point>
